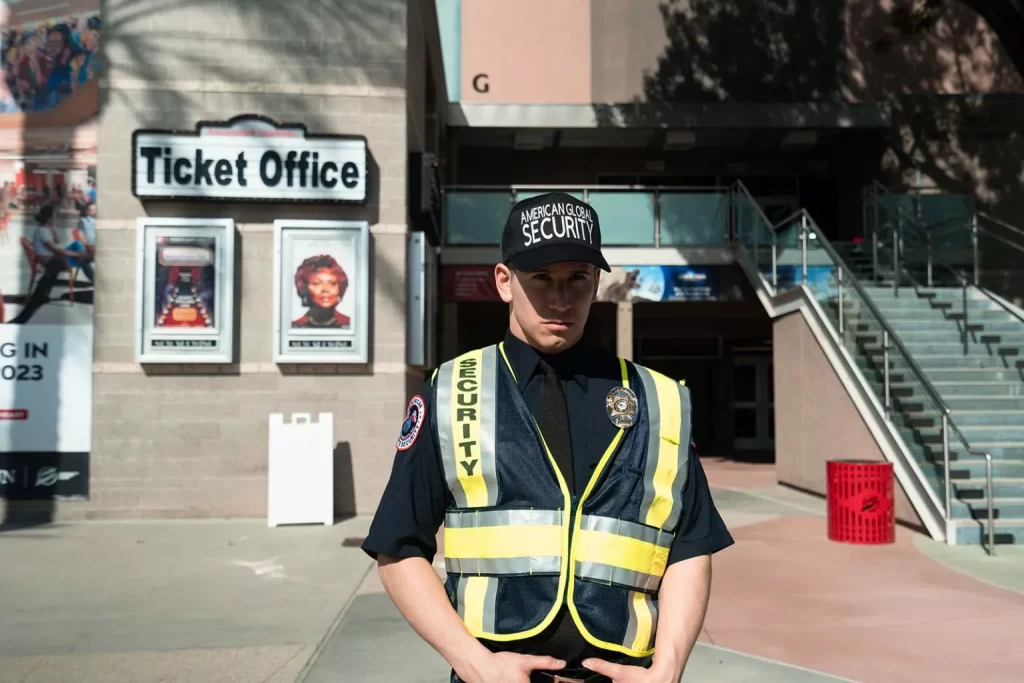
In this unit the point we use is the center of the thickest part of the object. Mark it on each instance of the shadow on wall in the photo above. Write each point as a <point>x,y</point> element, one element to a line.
<point>910,56</point>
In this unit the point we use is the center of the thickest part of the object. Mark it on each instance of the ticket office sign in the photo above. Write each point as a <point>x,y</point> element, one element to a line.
<point>249,158</point>
<point>185,290</point>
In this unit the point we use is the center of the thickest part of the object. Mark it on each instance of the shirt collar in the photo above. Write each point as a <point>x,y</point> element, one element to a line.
<point>523,358</point>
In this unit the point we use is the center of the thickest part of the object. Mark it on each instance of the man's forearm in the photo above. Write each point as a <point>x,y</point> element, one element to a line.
<point>682,604</point>
<point>420,596</point>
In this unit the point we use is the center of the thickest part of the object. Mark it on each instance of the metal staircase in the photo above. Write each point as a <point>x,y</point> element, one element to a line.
<point>932,369</point>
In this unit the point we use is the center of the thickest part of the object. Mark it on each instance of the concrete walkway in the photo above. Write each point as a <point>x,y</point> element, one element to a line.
<point>169,602</point>
<point>234,601</point>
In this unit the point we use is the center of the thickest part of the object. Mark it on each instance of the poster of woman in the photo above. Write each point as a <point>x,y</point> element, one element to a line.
<point>321,291</point>
<point>321,283</point>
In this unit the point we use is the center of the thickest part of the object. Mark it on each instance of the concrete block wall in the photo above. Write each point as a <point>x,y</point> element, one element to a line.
<point>192,441</point>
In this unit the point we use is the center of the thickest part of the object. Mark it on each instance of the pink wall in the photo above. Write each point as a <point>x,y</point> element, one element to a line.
<point>815,420</point>
<point>535,51</point>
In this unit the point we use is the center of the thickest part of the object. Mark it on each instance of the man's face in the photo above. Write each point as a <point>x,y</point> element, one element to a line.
<point>550,306</point>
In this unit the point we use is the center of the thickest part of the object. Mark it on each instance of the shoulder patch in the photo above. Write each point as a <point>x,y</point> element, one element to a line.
<point>414,417</point>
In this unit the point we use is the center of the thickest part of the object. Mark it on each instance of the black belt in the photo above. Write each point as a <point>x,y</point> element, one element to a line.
<point>563,676</point>
<point>569,676</point>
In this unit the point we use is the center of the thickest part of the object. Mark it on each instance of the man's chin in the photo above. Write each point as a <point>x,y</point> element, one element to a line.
<point>553,341</point>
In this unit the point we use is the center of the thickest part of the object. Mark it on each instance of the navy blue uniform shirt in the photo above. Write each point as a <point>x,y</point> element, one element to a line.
<point>416,497</point>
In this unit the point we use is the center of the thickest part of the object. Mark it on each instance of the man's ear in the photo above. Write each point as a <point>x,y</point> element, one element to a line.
<point>503,281</point>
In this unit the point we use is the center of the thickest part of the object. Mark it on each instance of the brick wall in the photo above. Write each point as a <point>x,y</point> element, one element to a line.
<point>192,441</point>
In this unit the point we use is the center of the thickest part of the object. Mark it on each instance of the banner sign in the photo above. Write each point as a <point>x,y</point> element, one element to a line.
<point>48,109</point>
<point>668,283</point>
<point>249,158</point>
<point>44,476</point>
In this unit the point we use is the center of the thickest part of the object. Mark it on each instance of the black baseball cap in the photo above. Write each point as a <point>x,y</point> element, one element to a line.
<point>549,228</point>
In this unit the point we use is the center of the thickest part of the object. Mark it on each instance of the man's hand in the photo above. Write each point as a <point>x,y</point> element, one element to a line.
<point>623,673</point>
<point>508,667</point>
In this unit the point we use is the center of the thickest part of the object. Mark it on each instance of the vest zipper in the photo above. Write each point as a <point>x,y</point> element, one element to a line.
<point>573,498</point>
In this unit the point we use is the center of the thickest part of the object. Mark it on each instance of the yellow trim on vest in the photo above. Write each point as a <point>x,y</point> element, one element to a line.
<point>644,623</point>
<point>670,413</point>
<point>466,405</point>
<point>620,551</point>
<point>476,627</point>
<point>476,594</point>
<point>433,375</point>
<point>491,542</point>
<point>668,451</point>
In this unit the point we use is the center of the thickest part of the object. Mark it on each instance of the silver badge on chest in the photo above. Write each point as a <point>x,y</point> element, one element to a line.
<point>622,407</point>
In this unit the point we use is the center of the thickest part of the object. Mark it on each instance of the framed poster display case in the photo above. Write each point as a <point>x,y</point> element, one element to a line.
<point>321,291</point>
<point>184,290</point>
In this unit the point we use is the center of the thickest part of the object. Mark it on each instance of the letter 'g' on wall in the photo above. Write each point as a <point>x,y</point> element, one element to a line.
<point>526,51</point>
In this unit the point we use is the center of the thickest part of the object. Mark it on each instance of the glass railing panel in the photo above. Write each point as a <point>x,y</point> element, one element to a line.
<point>693,218</point>
<point>822,270</point>
<point>753,232</point>
<point>475,217</point>
<point>788,255</point>
<point>627,218</point>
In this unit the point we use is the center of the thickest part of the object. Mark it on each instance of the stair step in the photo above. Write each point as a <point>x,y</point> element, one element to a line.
<point>1005,451</point>
<point>964,418</point>
<point>972,468</point>
<point>947,362</point>
<point>1002,508</point>
<point>949,335</point>
<point>961,404</point>
<point>902,327</point>
<point>948,348</point>
<point>954,390</point>
<point>974,532</point>
<point>975,489</point>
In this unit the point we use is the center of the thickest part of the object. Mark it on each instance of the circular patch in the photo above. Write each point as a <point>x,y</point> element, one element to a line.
<point>622,407</point>
<point>414,417</point>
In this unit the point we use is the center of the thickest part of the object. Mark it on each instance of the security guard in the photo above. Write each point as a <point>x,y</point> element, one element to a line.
<point>578,524</point>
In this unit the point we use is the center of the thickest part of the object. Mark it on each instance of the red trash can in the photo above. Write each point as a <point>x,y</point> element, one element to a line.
<point>860,502</point>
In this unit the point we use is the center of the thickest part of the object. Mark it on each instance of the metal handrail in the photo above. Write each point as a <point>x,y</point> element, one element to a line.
<point>889,336</point>
<point>947,422</point>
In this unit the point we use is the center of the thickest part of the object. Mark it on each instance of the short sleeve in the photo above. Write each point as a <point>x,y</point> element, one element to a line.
<point>701,529</point>
<point>415,499</point>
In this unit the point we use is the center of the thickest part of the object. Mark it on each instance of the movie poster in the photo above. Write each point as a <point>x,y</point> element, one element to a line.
<point>185,290</point>
<point>186,283</point>
<point>322,291</point>
<point>48,107</point>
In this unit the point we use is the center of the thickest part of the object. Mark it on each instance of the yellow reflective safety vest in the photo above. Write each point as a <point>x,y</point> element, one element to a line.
<point>517,544</point>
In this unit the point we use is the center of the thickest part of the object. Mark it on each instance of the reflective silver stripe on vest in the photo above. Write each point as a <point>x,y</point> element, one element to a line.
<point>621,527</point>
<point>466,519</point>
<point>631,627</point>
<point>473,566</point>
<point>446,443</point>
<point>490,601</point>
<point>471,519</point>
<point>605,573</point>
<point>654,447</point>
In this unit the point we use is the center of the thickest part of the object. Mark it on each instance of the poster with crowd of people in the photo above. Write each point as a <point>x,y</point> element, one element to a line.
<point>49,98</point>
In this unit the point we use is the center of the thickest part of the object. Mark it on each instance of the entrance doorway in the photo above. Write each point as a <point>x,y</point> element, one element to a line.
<point>753,404</point>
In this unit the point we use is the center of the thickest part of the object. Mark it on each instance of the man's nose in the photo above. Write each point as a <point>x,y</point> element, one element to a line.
<point>559,299</point>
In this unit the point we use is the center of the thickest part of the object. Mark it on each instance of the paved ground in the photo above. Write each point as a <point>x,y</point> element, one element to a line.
<point>227,601</point>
